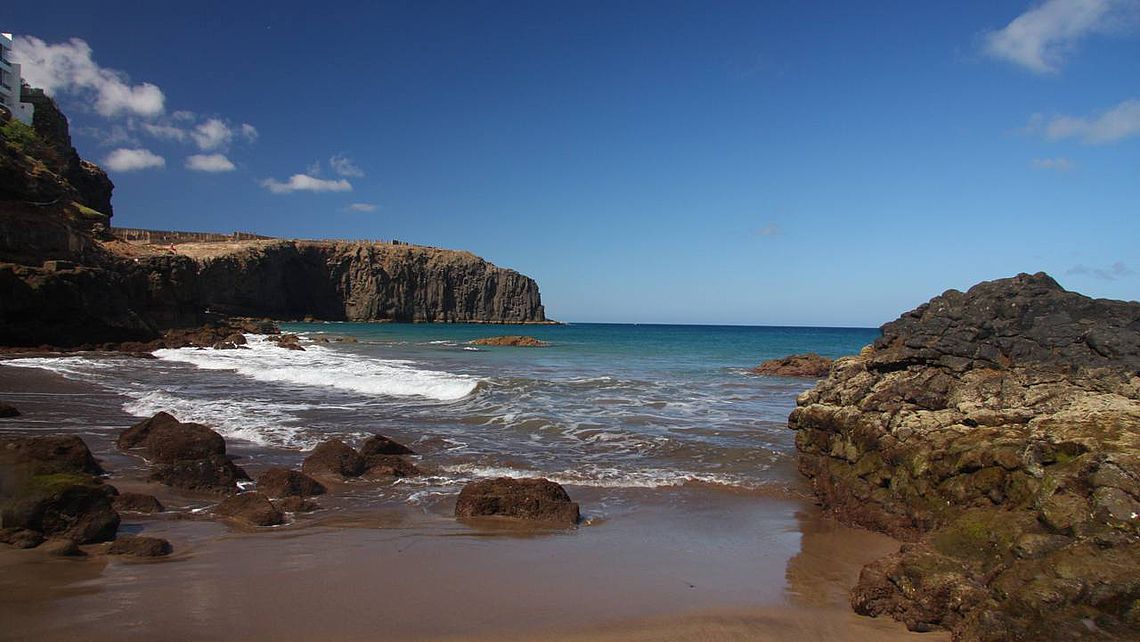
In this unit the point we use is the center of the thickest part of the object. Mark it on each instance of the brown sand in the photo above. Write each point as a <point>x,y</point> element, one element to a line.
<point>690,563</point>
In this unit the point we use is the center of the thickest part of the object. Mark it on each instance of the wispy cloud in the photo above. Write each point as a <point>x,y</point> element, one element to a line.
<point>1110,273</point>
<point>769,230</point>
<point>1044,36</point>
<point>362,207</point>
<point>68,67</point>
<point>1115,124</point>
<point>1055,164</point>
<point>344,166</point>
<point>130,160</point>
<point>306,183</point>
<point>213,163</point>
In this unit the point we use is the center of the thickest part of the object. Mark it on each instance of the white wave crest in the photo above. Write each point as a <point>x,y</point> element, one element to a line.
<point>326,367</point>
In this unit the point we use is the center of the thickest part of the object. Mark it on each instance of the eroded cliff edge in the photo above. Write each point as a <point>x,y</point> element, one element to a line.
<point>998,430</point>
<point>65,281</point>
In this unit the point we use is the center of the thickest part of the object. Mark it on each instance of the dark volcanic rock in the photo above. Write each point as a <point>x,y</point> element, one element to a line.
<point>137,434</point>
<point>62,547</point>
<point>295,504</point>
<point>797,365</point>
<point>140,546</point>
<point>538,500</point>
<point>334,457</point>
<point>21,537</point>
<point>47,455</point>
<point>250,508</point>
<point>7,410</point>
<point>281,482</point>
<point>172,442</point>
<point>389,466</point>
<point>212,474</point>
<point>1001,429</point>
<point>511,340</point>
<point>137,503</point>
<point>72,505</point>
<point>381,445</point>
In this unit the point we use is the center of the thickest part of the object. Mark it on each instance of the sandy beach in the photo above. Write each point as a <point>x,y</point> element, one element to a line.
<point>683,563</point>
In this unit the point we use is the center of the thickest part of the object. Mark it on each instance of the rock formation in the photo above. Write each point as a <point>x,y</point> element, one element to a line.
<point>64,282</point>
<point>796,365</point>
<point>183,455</point>
<point>511,340</point>
<point>998,430</point>
<point>536,500</point>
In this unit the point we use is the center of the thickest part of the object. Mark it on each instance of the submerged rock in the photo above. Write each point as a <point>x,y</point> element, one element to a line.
<point>1000,428</point>
<point>538,500</point>
<point>335,458</point>
<point>281,482</point>
<point>250,508</point>
<point>295,504</point>
<point>796,365</point>
<point>511,340</point>
<point>389,466</point>
<point>140,546</point>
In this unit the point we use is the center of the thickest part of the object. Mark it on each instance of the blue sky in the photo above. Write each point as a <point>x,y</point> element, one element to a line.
<point>803,163</point>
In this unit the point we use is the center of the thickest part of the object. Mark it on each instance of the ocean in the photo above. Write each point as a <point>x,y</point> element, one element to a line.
<point>605,405</point>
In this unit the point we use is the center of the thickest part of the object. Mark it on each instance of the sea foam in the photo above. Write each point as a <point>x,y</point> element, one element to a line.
<point>321,366</point>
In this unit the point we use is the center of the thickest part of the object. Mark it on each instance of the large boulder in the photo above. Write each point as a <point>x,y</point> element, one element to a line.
<point>137,503</point>
<point>381,445</point>
<point>797,365</point>
<point>253,509</point>
<point>140,546</point>
<point>168,440</point>
<point>334,458</point>
<point>537,500</point>
<point>281,482</point>
<point>72,505</point>
<point>1000,429</point>
<point>47,455</point>
<point>211,474</point>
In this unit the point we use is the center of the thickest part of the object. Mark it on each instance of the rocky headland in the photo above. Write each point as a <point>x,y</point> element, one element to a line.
<point>66,281</point>
<point>998,431</point>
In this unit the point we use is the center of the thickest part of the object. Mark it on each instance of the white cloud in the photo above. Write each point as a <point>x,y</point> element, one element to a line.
<point>1120,122</point>
<point>165,131</point>
<point>1041,38</point>
<point>129,160</point>
<point>209,163</point>
<point>249,132</point>
<point>306,183</point>
<point>68,67</point>
<point>1110,273</point>
<point>344,166</point>
<point>1058,164</point>
<point>212,134</point>
<point>362,207</point>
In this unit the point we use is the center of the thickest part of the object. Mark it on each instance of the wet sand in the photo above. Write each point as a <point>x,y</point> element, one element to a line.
<point>692,563</point>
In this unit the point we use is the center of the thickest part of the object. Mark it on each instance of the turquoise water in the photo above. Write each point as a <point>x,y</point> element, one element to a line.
<point>604,406</point>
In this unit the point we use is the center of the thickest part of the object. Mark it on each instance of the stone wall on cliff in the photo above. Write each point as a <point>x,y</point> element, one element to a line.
<point>999,430</point>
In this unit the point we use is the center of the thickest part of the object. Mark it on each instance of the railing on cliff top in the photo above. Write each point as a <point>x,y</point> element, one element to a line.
<point>166,237</point>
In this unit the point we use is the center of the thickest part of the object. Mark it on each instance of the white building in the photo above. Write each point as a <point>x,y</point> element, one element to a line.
<point>10,81</point>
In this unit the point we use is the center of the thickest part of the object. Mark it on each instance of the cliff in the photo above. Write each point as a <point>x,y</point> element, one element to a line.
<point>64,281</point>
<point>998,430</point>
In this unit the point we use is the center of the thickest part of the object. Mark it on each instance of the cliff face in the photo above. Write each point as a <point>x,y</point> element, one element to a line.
<point>365,282</point>
<point>63,283</point>
<point>999,430</point>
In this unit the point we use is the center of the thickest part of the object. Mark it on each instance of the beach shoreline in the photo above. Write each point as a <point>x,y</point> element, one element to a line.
<point>690,561</point>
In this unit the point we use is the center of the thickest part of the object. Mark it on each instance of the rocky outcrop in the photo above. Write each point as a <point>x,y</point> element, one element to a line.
<point>796,365</point>
<point>189,456</point>
<point>137,503</point>
<point>252,509</point>
<point>365,282</point>
<point>140,546</point>
<point>381,445</point>
<point>999,430</point>
<point>535,500</point>
<point>511,340</point>
<point>333,459</point>
<point>281,482</point>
